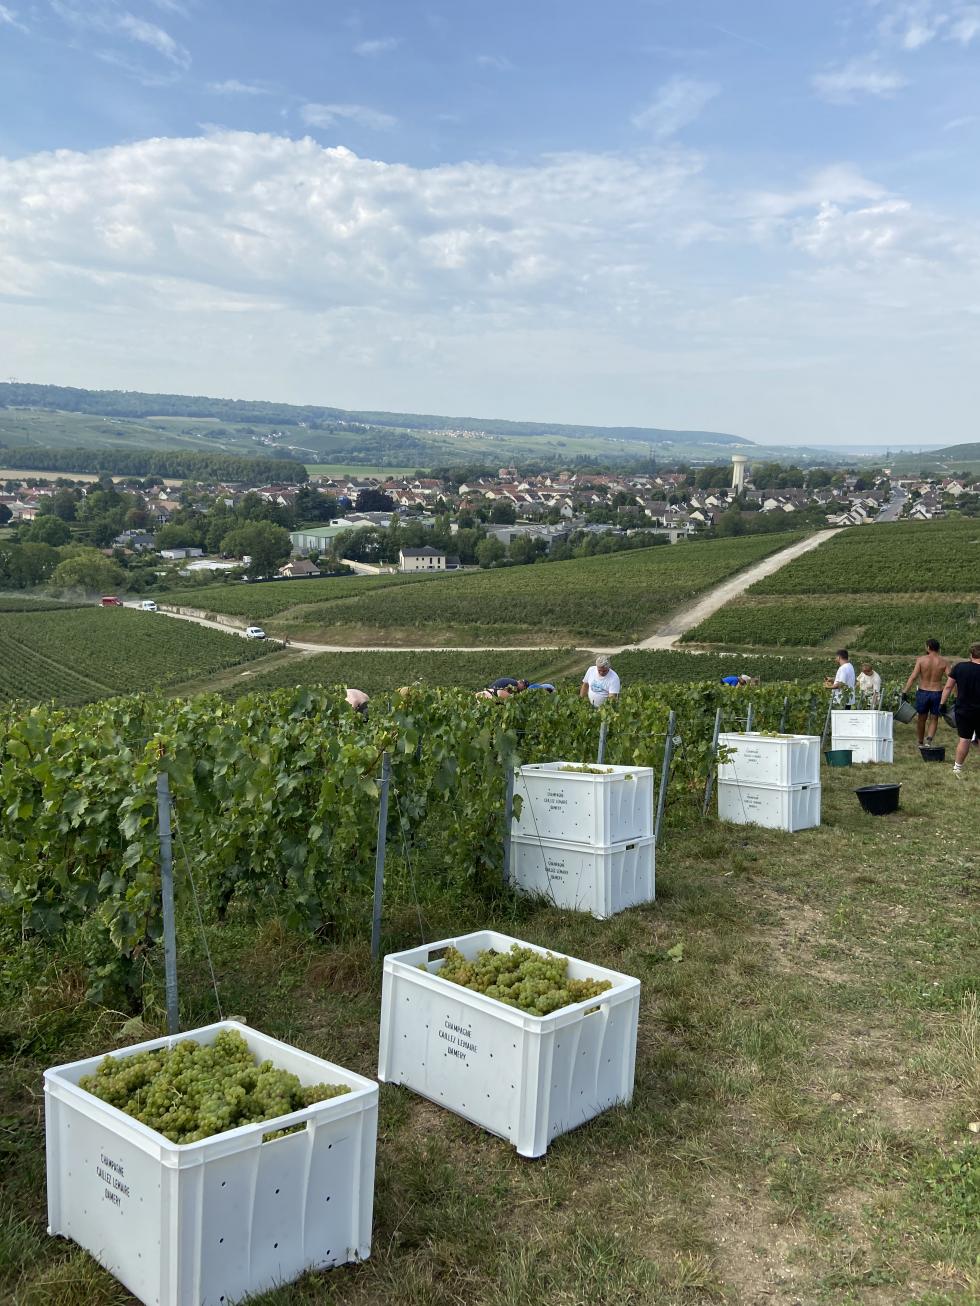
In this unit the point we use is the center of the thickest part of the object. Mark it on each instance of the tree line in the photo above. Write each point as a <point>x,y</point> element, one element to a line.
<point>174,463</point>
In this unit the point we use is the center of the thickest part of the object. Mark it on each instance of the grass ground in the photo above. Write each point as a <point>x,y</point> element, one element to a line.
<point>807,1075</point>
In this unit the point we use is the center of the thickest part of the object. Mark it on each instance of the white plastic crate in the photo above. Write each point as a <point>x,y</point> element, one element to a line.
<point>602,881</point>
<point>526,1078</point>
<point>200,1224</point>
<point>605,805</point>
<point>867,750</point>
<point>778,807</point>
<point>770,759</point>
<point>860,725</point>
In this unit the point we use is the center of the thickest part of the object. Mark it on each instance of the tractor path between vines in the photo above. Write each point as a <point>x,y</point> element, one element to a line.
<point>667,635</point>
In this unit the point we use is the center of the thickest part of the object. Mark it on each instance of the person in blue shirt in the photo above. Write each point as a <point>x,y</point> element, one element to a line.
<point>737,681</point>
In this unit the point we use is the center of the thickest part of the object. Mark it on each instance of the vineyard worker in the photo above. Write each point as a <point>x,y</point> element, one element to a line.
<point>600,682</point>
<point>965,679</point>
<point>869,685</point>
<point>543,684</point>
<point>931,671</point>
<point>844,679</point>
<point>358,700</point>
<point>508,683</point>
<point>736,682</point>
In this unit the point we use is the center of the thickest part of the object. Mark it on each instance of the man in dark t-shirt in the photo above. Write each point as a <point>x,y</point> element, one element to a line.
<point>508,684</point>
<point>965,679</point>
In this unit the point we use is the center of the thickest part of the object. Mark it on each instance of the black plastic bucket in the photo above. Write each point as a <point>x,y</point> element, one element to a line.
<point>878,800</point>
<point>930,754</point>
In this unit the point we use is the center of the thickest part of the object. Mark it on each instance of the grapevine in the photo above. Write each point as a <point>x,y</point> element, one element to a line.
<point>193,1091</point>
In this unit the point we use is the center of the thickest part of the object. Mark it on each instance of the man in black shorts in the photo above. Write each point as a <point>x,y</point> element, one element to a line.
<point>965,679</point>
<point>930,670</point>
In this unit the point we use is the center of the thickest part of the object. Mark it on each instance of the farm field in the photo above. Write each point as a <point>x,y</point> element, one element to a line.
<point>864,622</point>
<point>386,671</point>
<point>270,598</point>
<point>902,558</point>
<point>807,1071</point>
<point>30,603</point>
<point>89,653</point>
<point>616,597</point>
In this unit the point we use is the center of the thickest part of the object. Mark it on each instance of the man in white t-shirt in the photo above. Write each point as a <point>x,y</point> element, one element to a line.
<point>843,683</point>
<point>600,682</point>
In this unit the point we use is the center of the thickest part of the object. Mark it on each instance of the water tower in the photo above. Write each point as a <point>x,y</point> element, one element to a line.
<point>738,472</point>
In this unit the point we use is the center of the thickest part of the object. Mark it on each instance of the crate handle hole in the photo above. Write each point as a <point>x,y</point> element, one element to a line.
<point>437,954</point>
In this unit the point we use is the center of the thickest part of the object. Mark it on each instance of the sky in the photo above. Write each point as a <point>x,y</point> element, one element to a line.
<point>758,217</point>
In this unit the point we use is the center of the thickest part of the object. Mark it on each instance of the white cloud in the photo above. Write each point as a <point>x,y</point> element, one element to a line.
<point>498,61</point>
<point>235,87</point>
<point>155,38</point>
<point>858,78</point>
<point>330,115</point>
<point>381,45</point>
<point>580,286</point>
<point>108,18</point>
<point>966,24</point>
<point>912,24</point>
<point>677,104</point>
<point>9,17</point>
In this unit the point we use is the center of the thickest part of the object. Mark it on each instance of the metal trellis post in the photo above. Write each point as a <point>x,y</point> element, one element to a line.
<point>167,894</point>
<point>664,776</point>
<point>379,860</point>
<point>712,763</point>
<point>509,761</point>
<point>603,731</point>
<point>783,715</point>
<point>748,719</point>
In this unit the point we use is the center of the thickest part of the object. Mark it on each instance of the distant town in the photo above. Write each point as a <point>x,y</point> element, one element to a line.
<point>137,533</point>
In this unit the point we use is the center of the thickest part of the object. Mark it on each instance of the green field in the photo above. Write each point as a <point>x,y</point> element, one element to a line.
<point>90,653</point>
<point>901,558</point>
<point>380,672</point>
<point>269,598</point>
<point>32,603</point>
<point>614,598</point>
<point>864,622</point>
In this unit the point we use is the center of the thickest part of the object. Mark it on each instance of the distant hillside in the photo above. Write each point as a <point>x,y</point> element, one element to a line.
<point>123,404</point>
<point>954,451</point>
<point>176,464</point>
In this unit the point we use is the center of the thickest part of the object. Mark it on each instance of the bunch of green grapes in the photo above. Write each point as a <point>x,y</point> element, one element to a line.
<point>192,1091</point>
<point>531,981</point>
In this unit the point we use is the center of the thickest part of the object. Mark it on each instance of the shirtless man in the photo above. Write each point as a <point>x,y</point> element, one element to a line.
<point>931,671</point>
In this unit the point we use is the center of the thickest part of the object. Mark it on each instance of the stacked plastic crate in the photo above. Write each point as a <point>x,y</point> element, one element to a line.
<point>770,780</point>
<point>582,836</point>
<point>867,734</point>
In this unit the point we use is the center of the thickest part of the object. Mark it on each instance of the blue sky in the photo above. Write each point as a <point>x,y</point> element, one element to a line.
<point>757,217</point>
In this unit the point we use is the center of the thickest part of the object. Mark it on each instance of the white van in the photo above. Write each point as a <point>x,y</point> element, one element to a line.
<point>148,606</point>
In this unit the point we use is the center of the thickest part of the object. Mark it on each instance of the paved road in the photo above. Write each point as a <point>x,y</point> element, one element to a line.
<point>666,637</point>
<point>681,622</point>
<point>893,508</point>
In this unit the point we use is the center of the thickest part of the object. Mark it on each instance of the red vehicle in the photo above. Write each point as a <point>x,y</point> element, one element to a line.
<point>110,601</point>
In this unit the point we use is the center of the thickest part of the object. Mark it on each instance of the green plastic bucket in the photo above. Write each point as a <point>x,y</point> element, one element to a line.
<point>905,713</point>
<point>838,756</point>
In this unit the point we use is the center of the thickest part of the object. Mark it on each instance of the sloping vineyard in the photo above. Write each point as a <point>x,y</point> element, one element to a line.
<point>611,597</point>
<point>901,558</point>
<point>88,653</point>
<point>864,621</point>
<point>268,598</point>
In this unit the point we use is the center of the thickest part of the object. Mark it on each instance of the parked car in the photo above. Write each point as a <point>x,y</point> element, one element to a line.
<point>110,601</point>
<point>254,632</point>
<point>148,606</point>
